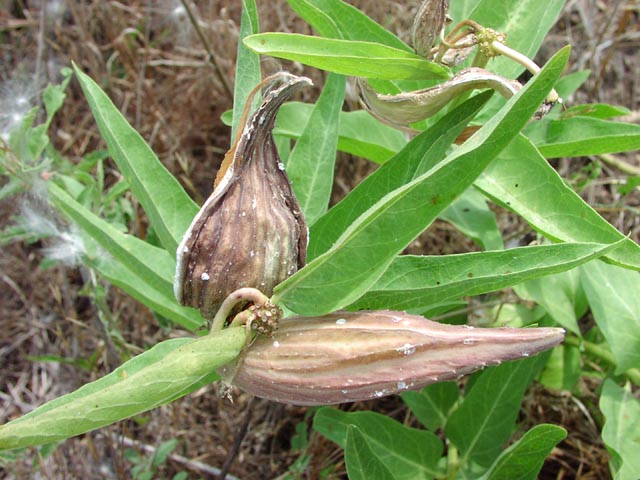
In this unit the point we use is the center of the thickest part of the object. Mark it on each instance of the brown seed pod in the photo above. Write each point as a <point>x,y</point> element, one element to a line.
<point>352,356</point>
<point>428,24</point>
<point>251,231</point>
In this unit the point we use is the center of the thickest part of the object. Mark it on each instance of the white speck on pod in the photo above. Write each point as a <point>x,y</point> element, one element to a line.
<point>407,349</point>
<point>341,321</point>
<point>204,277</point>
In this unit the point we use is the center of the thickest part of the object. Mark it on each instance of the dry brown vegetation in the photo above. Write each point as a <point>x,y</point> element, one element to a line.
<point>151,63</point>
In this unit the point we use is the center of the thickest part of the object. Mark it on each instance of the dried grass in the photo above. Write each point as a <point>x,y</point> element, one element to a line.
<point>148,59</point>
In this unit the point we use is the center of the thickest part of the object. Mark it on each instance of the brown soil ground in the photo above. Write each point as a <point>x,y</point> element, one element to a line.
<point>151,63</point>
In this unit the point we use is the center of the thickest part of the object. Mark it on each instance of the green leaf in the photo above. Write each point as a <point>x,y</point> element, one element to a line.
<point>142,270</point>
<point>559,295</point>
<point>562,371</point>
<point>433,403</point>
<point>161,301</point>
<point>602,111</point>
<point>523,460</point>
<point>409,453</point>
<point>153,264</point>
<point>168,371</point>
<point>414,159</point>
<point>366,248</point>
<point>486,419</point>
<point>347,57</point>
<point>311,162</point>
<point>248,73</point>
<point>526,23</point>
<point>359,133</point>
<point>620,432</point>
<point>414,282</point>
<point>579,136</point>
<point>521,180</point>
<point>568,84</point>
<point>470,214</point>
<point>337,19</point>
<point>613,297</point>
<point>169,208</point>
<point>361,461</point>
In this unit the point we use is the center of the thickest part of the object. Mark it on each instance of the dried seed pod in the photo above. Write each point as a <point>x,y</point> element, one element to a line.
<point>352,356</point>
<point>251,231</point>
<point>405,108</point>
<point>428,24</point>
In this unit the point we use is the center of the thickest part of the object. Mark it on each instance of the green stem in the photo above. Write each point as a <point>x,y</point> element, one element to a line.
<point>500,48</point>
<point>241,295</point>
<point>453,462</point>
<point>602,353</point>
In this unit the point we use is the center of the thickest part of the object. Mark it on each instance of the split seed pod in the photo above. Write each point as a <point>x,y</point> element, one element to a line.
<point>428,24</point>
<point>251,231</point>
<point>353,356</point>
<point>405,108</point>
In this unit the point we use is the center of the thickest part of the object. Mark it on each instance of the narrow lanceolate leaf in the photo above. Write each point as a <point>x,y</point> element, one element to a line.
<point>347,57</point>
<point>352,356</point>
<point>613,297</point>
<point>156,377</point>
<point>160,300</point>
<point>248,73</point>
<point>408,452</point>
<point>140,269</point>
<point>414,282</point>
<point>620,433</point>
<point>167,205</point>
<point>155,265</point>
<point>367,247</point>
<point>424,151</point>
<point>338,19</point>
<point>486,419</point>
<point>579,136</point>
<point>523,181</point>
<point>311,163</point>
<point>523,460</point>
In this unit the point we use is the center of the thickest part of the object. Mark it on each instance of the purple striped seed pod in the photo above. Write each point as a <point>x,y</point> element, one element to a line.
<point>251,231</point>
<point>351,356</point>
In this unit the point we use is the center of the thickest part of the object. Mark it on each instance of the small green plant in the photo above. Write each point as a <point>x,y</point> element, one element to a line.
<point>354,259</point>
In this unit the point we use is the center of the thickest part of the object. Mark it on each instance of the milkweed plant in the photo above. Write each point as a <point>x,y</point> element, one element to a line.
<point>313,304</point>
